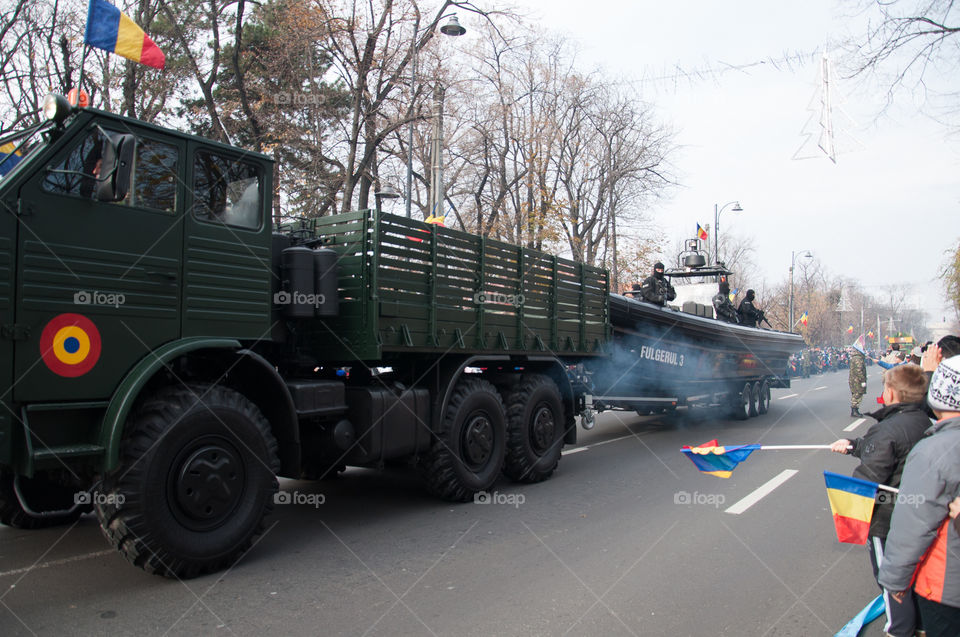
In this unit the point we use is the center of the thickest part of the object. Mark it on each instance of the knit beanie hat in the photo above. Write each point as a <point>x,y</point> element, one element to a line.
<point>944,392</point>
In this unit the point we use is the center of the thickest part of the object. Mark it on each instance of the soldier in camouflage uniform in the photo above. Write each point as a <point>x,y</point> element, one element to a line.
<point>858,380</point>
<point>805,363</point>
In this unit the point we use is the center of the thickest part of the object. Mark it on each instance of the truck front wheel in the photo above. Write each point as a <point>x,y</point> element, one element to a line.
<point>467,453</point>
<point>534,429</point>
<point>195,480</point>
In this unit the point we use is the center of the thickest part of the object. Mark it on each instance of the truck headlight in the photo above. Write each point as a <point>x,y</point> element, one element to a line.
<point>55,107</point>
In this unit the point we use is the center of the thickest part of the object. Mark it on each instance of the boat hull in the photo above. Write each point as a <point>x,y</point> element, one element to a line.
<point>662,355</point>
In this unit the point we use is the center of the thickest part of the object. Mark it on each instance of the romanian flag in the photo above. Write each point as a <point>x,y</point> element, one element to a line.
<point>804,318</point>
<point>110,29</point>
<point>718,461</point>
<point>850,330</point>
<point>701,233</point>
<point>733,294</point>
<point>9,158</point>
<point>870,334</point>
<point>435,220</point>
<point>851,501</point>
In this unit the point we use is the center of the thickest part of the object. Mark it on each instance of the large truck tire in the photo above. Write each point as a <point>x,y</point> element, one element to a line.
<point>741,404</point>
<point>42,495</point>
<point>535,419</point>
<point>763,398</point>
<point>467,454</point>
<point>197,476</point>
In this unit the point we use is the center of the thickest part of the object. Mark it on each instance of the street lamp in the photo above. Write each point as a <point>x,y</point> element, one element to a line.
<point>806,254</point>
<point>387,192</point>
<point>452,28</point>
<point>716,227</point>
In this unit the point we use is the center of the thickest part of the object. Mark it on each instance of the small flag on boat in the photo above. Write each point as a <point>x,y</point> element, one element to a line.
<point>701,233</point>
<point>804,318</point>
<point>851,501</point>
<point>110,29</point>
<point>718,461</point>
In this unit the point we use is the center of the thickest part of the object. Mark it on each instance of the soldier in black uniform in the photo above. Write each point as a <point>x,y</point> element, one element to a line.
<point>656,288</point>
<point>749,314</point>
<point>723,305</point>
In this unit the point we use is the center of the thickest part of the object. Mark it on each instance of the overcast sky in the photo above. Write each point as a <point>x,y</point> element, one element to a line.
<point>885,213</point>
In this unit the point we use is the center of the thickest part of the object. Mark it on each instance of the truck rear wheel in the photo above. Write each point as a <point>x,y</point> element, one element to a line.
<point>742,403</point>
<point>41,495</point>
<point>467,454</point>
<point>763,398</point>
<point>195,480</point>
<point>534,429</point>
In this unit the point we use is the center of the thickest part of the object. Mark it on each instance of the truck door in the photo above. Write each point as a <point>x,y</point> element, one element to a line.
<point>98,284</point>
<point>8,247</point>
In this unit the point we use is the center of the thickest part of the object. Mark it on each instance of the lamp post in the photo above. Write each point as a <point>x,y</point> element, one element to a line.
<point>716,227</point>
<point>452,28</point>
<point>387,192</point>
<point>793,262</point>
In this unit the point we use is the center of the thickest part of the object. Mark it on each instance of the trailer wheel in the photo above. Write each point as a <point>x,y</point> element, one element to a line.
<point>41,495</point>
<point>195,480</point>
<point>468,451</point>
<point>534,429</point>
<point>754,398</point>
<point>763,398</point>
<point>742,403</point>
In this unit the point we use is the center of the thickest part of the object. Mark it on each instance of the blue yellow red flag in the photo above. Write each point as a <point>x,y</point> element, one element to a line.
<point>851,501</point>
<point>716,460</point>
<point>804,318</point>
<point>9,157</point>
<point>110,29</point>
<point>701,233</point>
<point>733,294</point>
<point>850,330</point>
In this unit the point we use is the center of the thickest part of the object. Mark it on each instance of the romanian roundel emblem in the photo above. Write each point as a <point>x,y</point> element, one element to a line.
<point>70,345</point>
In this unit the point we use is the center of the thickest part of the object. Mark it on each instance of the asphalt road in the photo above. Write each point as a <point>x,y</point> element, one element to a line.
<point>627,538</point>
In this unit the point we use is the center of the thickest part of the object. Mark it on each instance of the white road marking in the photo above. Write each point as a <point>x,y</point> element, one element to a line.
<point>761,492</point>
<point>819,388</point>
<point>66,560</point>
<point>596,444</point>
<point>787,396</point>
<point>855,424</point>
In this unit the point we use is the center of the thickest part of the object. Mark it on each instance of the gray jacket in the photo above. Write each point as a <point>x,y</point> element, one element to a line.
<point>931,479</point>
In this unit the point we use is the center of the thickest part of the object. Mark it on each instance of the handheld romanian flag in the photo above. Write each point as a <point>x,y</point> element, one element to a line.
<point>9,157</point>
<point>733,294</point>
<point>851,501</point>
<point>850,330</point>
<point>110,29</point>
<point>804,318</point>
<point>701,233</point>
<point>870,334</point>
<point>435,220</point>
<point>718,461</point>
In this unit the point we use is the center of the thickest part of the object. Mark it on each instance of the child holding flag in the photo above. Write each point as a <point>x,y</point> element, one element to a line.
<point>923,545</point>
<point>883,452</point>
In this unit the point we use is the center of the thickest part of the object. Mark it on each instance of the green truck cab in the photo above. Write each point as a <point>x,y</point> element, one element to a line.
<point>167,352</point>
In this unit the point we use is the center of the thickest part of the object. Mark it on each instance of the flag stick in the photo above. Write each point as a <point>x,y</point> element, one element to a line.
<point>779,447</point>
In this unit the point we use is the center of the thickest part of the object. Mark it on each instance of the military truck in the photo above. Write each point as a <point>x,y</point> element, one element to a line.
<point>167,352</point>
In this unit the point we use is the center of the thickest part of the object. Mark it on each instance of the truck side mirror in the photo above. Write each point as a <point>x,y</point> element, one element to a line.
<point>113,182</point>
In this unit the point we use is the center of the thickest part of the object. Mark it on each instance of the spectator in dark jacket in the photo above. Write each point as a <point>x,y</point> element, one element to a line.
<point>923,548</point>
<point>882,452</point>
